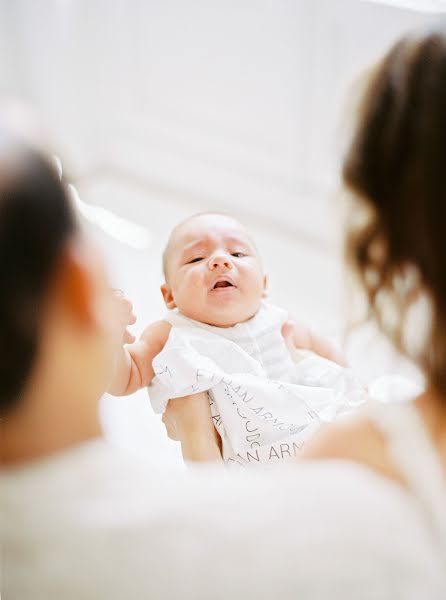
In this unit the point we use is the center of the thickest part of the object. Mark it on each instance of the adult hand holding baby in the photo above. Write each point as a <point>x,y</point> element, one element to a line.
<point>189,421</point>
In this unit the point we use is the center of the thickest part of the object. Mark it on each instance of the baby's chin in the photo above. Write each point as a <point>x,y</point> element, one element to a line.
<point>224,316</point>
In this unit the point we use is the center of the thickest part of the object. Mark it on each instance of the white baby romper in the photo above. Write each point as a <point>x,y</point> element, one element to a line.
<point>263,405</point>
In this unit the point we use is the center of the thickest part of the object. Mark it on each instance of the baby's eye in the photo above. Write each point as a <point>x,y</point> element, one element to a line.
<point>194,260</point>
<point>238,254</point>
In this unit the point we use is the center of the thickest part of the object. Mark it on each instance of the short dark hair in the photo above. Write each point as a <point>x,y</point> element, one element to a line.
<point>396,168</point>
<point>36,219</point>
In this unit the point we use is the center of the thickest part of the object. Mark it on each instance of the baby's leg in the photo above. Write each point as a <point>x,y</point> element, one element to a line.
<point>188,420</point>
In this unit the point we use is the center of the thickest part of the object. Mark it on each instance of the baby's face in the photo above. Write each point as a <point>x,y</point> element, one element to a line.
<point>213,273</point>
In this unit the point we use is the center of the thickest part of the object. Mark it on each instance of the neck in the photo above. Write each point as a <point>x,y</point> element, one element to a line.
<point>48,419</point>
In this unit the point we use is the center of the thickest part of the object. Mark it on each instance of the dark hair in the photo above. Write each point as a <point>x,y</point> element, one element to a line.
<point>396,168</point>
<point>35,221</point>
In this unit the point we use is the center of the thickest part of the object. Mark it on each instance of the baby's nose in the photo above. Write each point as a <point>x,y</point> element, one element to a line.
<point>220,260</point>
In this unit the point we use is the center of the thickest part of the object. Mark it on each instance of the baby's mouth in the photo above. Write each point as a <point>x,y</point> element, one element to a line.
<point>222,283</point>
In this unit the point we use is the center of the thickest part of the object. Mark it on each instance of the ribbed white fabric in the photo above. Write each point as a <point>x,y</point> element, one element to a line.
<point>260,337</point>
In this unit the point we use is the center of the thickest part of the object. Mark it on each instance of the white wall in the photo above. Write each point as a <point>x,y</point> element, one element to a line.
<point>235,104</point>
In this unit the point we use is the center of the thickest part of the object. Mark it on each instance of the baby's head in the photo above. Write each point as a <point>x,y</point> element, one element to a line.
<point>213,271</point>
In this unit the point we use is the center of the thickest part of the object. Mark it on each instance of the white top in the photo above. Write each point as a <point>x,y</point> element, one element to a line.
<point>263,405</point>
<point>260,337</point>
<point>402,427</point>
<point>91,525</point>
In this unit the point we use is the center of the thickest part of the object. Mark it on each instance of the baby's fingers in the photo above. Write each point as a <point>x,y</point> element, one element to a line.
<point>128,337</point>
<point>125,308</point>
<point>288,333</point>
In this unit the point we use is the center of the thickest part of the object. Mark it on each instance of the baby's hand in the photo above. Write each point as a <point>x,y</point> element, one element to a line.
<point>126,316</point>
<point>297,352</point>
<point>299,337</point>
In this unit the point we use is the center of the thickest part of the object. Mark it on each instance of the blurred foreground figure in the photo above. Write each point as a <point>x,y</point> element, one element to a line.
<point>80,521</point>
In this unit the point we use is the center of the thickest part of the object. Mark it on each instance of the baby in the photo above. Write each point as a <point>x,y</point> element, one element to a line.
<point>223,338</point>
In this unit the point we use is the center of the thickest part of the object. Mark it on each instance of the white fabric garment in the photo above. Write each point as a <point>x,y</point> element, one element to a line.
<point>401,425</point>
<point>91,524</point>
<point>263,405</point>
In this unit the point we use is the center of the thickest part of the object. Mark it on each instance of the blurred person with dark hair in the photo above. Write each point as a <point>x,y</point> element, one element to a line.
<point>395,174</point>
<point>80,521</point>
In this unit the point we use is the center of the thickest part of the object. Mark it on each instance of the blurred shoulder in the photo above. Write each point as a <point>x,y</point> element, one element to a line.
<point>356,439</point>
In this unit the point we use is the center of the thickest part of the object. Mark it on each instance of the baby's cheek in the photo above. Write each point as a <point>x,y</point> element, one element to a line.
<point>196,280</point>
<point>190,287</point>
<point>256,279</point>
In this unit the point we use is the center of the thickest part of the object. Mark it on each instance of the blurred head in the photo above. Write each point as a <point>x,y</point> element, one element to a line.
<point>213,271</point>
<point>55,312</point>
<point>396,168</point>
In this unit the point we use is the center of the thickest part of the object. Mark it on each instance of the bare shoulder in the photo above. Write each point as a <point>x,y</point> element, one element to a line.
<point>348,438</point>
<point>152,341</point>
<point>354,439</point>
<point>156,333</point>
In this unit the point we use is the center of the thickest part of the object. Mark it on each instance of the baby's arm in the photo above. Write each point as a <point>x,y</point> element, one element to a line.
<point>187,419</point>
<point>133,368</point>
<point>299,336</point>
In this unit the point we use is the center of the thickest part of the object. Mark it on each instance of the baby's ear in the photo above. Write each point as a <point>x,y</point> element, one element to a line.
<point>265,285</point>
<point>169,301</point>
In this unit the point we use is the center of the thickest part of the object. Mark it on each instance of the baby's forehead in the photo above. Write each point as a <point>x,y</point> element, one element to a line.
<point>206,229</point>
